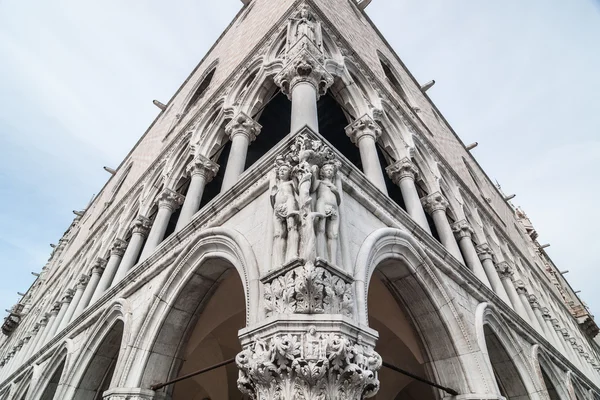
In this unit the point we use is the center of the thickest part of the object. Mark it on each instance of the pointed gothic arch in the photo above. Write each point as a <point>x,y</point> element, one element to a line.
<point>552,378</point>
<point>408,271</point>
<point>52,374</point>
<point>193,279</point>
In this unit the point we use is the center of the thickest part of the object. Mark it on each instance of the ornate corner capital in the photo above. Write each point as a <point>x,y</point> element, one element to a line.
<point>202,166</point>
<point>533,300</point>
<point>244,125</point>
<point>484,252</point>
<point>309,365</point>
<point>170,200</point>
<point>363,127</point>
<point>68,296</point>
<point>402,169</point>
<point>118,248</point>
<point>99,265</point>
<point>141,225</point>
<point>435,202</point>
<point>304,67</point>
<point>462,229</point>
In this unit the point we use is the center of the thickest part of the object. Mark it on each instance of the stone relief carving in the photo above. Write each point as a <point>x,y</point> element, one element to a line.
<point>311,365</point>
<point>305,195</point>
<point>306,288</point>
<point>304,25</point>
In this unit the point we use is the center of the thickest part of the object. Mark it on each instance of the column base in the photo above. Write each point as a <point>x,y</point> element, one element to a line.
<point>133,394</point>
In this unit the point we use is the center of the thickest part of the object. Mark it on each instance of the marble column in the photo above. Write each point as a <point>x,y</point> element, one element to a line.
<point>550,329</point>
<point>364,133</point>
<point>114,260</point>
<point>524,296</point>
<point>506,274</point>
<point>537,311</point>
<point>42,325</point>
<point>464,235</point>
<point>486,256</point>
<point>86,298</point>
<point>242,130</point>
<point>304,79</point>
<point>436,205</point>
<point>64,306</point>
<point>18,355</point>
<point>168,202</point>
<point>559,337</point>
<point>51,327</point>
<point>403,174</point>
<point>35,335</point>
<point>79,289</point>
<point>201,170</point>
<point>140,228</point>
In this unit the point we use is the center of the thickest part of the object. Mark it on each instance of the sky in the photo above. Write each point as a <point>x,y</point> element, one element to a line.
<point>77,80</point>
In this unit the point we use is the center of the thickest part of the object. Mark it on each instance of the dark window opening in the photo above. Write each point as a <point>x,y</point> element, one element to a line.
<point>201,89</point>
<point>213,188</point>
<point>332,125</point>
<point>52,386</point>
<point>393,190</point>
<point>182,188</point>
<point>275,121</point>
<point>391,77</point>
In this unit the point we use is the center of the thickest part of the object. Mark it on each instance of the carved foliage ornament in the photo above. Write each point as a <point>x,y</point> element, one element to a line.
<point>462,229</point>
<point>403,169</point>
<point>308,366</point>
<point>203,166</point>
<point>308,289</point>
<point>304,67</point>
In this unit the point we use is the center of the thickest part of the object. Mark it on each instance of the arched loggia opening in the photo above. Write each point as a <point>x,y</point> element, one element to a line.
<point>553,378</point>
<point>398,344</point>
<point>507,375</point>
<point>552,392</point>
<point>52,385</point>
<point>99,372</point>
<point>197,319</point>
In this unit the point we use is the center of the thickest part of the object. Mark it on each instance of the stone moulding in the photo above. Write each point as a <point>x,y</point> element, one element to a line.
<point>302,287</point>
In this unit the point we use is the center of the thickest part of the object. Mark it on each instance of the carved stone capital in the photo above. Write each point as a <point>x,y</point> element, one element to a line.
<point>435,202</point>
<point>484,251</point>
<point>308,288</point>
<point>141,225</point>
<point>402,169</point>
<point>462,229</point>
<point>556,324</point>
<point>83,281</point>
<point>304,67</point>
<point>546,313</point>
<point>533,300</point>
<point>44,320</point>
<point>170,200</point>
<point>55,308</point>
<point>311,365</point>
<point>99,265</point>
<point>363,127</point>
<point>504,270</point>
<point>68,296</point>
<point>242,124</point>
<point>203,166</point>
<point>19,345</point>
<point>118,248</point>
<point>520,286</point>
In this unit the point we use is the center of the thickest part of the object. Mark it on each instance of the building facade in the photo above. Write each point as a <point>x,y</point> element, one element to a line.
<point>301,214</point>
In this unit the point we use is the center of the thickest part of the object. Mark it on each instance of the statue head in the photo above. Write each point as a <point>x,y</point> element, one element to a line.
<point>304,12</point>
<point>283,170</point>
<point>328,171</point>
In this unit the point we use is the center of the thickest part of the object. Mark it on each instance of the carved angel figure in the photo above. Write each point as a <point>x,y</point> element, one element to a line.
<point>305,25</point>
<point>285,215</point>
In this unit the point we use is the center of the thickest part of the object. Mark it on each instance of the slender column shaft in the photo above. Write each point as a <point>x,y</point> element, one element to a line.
<point>537,311</point>
<point>242,130</point>
<point>436,205</point>
<point>168,202</point>
<point>67,302</point>
<point>506,273</point>
<point>38,337</point>
<point>79,289</point>
<point>106,280</point>
<point>403,174</point>
<point>48,332</point>
<point>524,296</point>
<point>558,335</point>
<point>487,261</point>
<point>304,107</point>
<point>131,255</point>
<point>364,132</point>
<point>57,326</point>
<point>464,233</point>
<point>202,171</point>
<point>550,328</point>
<point>21,347</point>
<point>37,330</point>
<point>86,298</point>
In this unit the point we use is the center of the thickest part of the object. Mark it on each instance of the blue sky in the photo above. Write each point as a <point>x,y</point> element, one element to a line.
<point>77,80</point>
